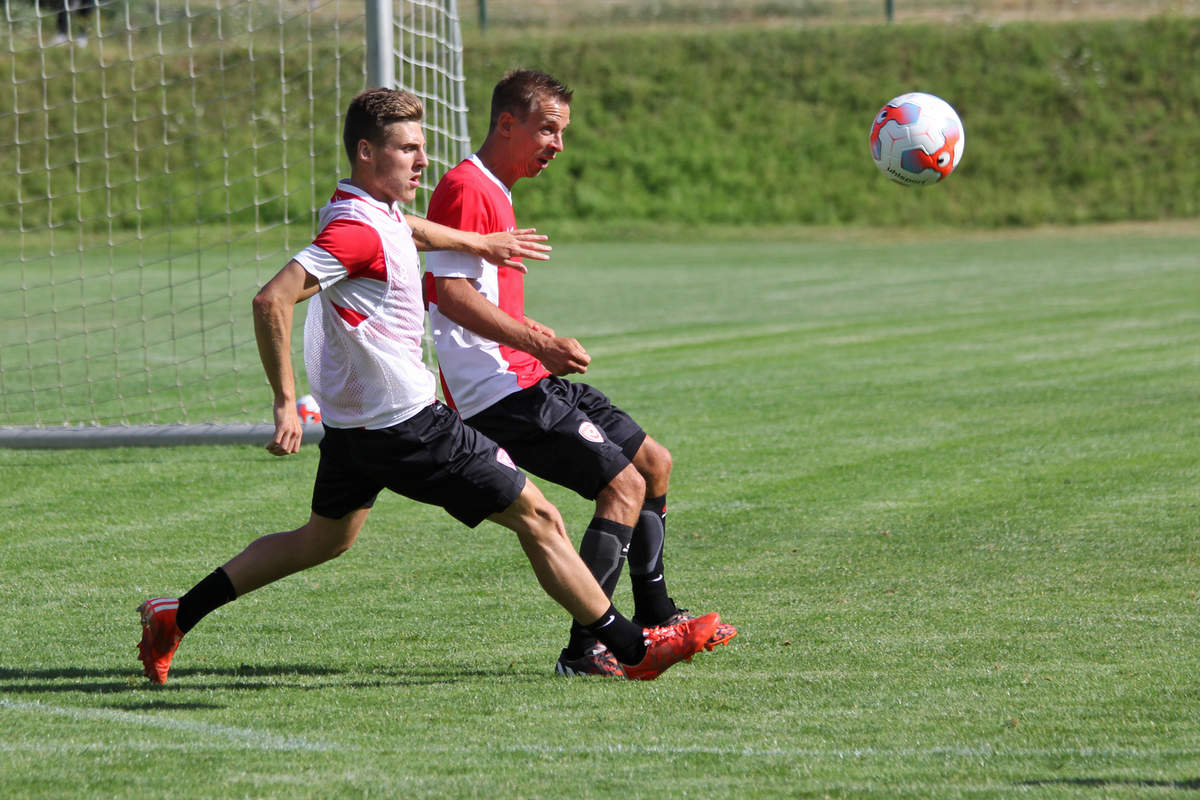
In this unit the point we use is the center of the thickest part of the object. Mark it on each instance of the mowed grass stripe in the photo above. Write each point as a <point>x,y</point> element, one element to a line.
<point>948,497</point>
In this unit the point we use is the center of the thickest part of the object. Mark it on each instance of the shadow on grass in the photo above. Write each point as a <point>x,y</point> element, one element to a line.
<point>102,681</point>
<point>1192,784</point>
<point>108,681</point>
<point>165,705</point>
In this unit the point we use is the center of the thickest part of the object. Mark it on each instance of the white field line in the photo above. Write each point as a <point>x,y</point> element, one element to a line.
<point>248,738</point>
<point>255,739</point>
<point>947,751</point>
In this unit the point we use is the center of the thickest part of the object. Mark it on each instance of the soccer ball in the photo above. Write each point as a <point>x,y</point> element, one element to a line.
<point>917,139</point>
<point>308,409</point>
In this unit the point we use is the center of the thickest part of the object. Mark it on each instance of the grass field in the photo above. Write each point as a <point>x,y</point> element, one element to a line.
<point>946,486</point>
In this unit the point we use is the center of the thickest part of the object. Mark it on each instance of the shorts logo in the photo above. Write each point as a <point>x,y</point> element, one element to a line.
<point>504,458</point>
<point>590,432</point>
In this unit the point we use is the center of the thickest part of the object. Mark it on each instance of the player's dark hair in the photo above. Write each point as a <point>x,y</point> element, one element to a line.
<point>519,91</point>
<point>372,110</point>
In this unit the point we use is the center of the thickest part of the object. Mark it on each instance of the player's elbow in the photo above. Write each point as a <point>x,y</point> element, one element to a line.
<point>267,302</point>
<point>261,303</point>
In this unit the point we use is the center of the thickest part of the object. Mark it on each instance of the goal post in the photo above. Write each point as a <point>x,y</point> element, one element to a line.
<point>167,158</point>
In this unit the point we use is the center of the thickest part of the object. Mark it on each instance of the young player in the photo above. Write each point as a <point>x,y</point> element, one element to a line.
<point>499,369</point>
<point>383,427</point>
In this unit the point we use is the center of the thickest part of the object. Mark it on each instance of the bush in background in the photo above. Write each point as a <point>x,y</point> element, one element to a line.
<point>1065,123</point>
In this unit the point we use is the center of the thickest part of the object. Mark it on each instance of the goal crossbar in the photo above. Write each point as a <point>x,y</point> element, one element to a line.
<point>208,433</point>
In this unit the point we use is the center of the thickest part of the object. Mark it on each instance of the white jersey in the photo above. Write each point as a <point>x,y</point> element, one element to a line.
<point>362,337</point>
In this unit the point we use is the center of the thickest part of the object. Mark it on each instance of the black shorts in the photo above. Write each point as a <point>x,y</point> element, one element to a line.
<point>433,458</point>
<point>568,433</point>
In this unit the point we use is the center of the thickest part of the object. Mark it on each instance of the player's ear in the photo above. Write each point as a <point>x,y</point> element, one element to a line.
<point>505,123</point>
<point>364,150</point>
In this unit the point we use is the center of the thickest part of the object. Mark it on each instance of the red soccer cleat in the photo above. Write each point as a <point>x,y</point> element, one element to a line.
<point>160,637</point>
<point>721,635</point>
<point>671,644</point>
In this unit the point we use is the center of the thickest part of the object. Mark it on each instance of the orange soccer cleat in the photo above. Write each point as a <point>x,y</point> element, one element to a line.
<point>670,644</point>
<point>721,634</point>
<point>160,637</point>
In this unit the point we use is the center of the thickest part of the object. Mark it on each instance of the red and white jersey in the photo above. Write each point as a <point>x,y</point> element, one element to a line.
<point>362,337</point>
<point>476,372</point>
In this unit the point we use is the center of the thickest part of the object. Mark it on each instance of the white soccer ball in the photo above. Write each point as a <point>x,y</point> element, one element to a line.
<point>308,409</point>
<point>917,139</point>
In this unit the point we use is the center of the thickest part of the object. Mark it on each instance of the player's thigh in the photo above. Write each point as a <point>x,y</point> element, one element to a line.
<point>446,463</point>
<point>553,438</point>
<point>616,423</point>
<point>345,481</point>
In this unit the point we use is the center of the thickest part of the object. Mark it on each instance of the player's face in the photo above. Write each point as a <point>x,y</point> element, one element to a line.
<point>394,165</point>
<point>539,137</point>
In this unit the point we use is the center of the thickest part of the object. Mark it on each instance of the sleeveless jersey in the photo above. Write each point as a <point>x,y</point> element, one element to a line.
<point>362,336</point>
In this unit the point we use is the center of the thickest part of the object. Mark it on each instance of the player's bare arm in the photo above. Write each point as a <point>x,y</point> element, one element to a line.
<point>501,248</point>
<point>533,324</point>
<point>273,310</point>
<point>462,303</point>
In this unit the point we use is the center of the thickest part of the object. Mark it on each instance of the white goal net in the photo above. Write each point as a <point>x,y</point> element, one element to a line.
<point>164,158</point>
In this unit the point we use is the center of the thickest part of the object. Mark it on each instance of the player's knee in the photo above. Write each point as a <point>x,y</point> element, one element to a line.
<point>621,499</point>
<point>547,518</point>
<point>338,548</point>
<point>532,513</point>
<point>330,538</point>
<point>629,486</point>
<point>665,463</point>
<point>655,463</point>
<point>327,548</point>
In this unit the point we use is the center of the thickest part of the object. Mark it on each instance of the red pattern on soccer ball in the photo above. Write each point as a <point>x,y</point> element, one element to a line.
<point>903,114</point>
<point>940,161</point>
<point>308,409</point>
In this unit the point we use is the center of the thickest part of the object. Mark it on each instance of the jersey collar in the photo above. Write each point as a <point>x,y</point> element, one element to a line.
<point>474,159</point>
<point>345,187</point>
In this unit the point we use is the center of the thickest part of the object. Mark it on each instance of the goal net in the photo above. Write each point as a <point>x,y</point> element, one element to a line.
<point>166,158</point>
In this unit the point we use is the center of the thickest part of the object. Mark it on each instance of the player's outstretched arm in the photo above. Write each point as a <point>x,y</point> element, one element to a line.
<point>273,311</point>
<point>501,248</point>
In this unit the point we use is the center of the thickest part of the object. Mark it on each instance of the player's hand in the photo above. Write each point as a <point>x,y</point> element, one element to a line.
<point>506,247</point>
<point>288,430</point>
<point>564,356</point>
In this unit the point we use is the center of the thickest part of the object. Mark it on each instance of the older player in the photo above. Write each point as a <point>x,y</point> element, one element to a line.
<point>500,370</point>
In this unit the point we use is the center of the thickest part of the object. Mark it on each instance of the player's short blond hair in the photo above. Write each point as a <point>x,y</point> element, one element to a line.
<point>372,110</point>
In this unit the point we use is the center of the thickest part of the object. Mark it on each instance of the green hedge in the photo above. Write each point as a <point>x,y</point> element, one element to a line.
<point>1065,123</point>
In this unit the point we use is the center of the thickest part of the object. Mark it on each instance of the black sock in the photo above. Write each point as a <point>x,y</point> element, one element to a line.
<point>651,603</point>
<point>620,635</point>
<point>208,595</point>
<point>603,548</point>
